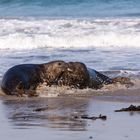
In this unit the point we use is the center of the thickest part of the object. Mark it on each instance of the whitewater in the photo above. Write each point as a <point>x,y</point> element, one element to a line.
<point>69,33</point>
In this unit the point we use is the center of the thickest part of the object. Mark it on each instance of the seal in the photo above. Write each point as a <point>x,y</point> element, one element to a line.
<point>24,78</point>
<point>79,76</point>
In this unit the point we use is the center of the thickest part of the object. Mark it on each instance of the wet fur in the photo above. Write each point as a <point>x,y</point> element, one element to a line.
<point>76,77</point>
<point>21,79</point>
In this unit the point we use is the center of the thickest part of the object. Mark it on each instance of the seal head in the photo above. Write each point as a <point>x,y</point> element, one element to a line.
<point>75,76</point>
<point>52,71</point>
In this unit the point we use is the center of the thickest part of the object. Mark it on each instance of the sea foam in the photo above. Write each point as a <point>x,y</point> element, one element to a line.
<point>69,33</point>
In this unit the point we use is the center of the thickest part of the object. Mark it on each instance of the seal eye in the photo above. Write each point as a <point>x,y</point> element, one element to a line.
<point>59,64</point>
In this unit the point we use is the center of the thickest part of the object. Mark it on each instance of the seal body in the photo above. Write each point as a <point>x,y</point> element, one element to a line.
<point>97,79</point>
<point>79,76</point>
<point>26,77</point>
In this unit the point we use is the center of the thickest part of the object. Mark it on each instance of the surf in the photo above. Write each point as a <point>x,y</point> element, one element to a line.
<point>22,34</point>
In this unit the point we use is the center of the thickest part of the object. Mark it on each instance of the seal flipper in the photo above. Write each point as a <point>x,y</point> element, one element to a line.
<point>20,89</point>
<point>97,79</point>
<point>103,78</point>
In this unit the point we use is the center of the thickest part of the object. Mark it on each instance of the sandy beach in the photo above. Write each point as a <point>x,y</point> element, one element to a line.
<point>19,118</point>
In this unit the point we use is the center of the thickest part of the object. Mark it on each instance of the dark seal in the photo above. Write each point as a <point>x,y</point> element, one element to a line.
<point>24,78</point>
<point>79,76</point>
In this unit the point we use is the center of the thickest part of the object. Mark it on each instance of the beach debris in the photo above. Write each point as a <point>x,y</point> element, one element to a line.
<point>130,108</point>
<point>41,109</point>
<point>102,117</point>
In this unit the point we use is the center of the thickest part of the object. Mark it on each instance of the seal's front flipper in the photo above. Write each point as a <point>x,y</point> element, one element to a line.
<point>20,89</point>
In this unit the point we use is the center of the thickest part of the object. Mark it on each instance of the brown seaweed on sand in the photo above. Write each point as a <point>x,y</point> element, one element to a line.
<point>130,108</point>
<point>102,117</point>
<point>41,109</point>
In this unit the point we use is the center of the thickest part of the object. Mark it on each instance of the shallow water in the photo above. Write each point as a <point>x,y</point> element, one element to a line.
<point>19,120</point>
<point>126,60</point>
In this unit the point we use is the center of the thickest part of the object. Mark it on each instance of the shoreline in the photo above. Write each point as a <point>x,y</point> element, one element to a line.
<point>121,95</point>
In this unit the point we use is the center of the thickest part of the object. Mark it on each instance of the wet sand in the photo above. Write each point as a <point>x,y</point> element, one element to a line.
<point>19,120</point>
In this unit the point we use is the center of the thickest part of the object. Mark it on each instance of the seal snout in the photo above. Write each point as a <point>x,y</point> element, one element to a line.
<point>69,70</point>
<point>64,67</point>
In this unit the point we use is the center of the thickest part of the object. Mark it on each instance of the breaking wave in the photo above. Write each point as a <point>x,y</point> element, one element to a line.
<point>69,33</point>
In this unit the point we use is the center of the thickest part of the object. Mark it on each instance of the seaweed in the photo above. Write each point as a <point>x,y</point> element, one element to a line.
<point>130,108</point>
<point>41,109</point>
<point>102,117</point>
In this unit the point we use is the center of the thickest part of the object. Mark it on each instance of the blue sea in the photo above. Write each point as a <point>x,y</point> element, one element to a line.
<point>103,34</point>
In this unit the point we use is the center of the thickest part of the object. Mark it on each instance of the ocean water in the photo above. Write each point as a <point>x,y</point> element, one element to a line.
<point>104,34</point>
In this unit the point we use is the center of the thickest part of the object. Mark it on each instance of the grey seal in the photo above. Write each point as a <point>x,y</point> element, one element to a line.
<point>21,79</point>
<point>79,76</point>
